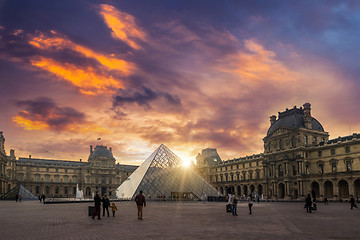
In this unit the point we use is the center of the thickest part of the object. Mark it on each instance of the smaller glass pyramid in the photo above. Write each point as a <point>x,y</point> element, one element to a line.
<point>163,176</point>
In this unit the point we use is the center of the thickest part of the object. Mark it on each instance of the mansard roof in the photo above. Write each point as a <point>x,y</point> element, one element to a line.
<point>293,118</point>
<point>52,162</point>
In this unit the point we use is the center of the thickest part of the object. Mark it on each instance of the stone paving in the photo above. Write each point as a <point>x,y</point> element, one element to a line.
<point>189,220</point>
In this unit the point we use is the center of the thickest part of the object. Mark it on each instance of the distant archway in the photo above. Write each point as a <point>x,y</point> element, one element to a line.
<point>357,188</point>
<point>281,190</point>
<point>343,189</point>
<point>245,190</point>
<point>315,190</point>
<point>329,189</point>
<point>252,189</point>
<point>260,189</point>
<point>88,191</point>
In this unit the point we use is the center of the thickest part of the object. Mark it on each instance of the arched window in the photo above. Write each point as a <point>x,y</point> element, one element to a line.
<point>281,144</point>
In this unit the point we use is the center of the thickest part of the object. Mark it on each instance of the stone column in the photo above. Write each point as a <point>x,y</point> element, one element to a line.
<point>322,189</point>
<point>336,189</point>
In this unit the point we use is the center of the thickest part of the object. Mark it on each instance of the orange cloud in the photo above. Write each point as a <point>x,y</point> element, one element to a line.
<point>256,64</point>
<point>123,25</point>
<point>28,124</point>
<point>58,42</point>
<point>87,79</point>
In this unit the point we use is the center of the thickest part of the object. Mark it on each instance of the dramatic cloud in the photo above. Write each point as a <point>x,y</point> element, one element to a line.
<point>89,80</point>
<point>143,97</point>
<point>56,42</point>
<point>44,114</point>
<point>122,25</point>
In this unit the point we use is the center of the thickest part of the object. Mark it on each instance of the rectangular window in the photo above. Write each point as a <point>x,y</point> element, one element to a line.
<point>37,189</point>
<point>56,178</point>
<point>294,170</point>
<point>321,168</point>
<point>333,151</point>
<point>66,179</point>
<point>320,154</point>
<point>347,149</point>
<point>37,178</point>
<point>249,164</point>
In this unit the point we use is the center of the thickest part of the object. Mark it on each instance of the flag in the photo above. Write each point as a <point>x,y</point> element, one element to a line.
<point>99,139</point>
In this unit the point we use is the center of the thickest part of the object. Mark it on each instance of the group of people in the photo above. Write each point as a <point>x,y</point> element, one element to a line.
<point>233,203</point>
<point>18,197</point>
<point>106,204</point>
<point>139,199</point>
<point>310,203</point>
<point>42,198</point>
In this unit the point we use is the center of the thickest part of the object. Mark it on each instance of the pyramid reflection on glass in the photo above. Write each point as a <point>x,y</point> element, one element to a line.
<point>163,176</point>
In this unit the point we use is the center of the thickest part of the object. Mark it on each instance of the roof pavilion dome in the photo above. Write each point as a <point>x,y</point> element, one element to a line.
<point>294,118</point>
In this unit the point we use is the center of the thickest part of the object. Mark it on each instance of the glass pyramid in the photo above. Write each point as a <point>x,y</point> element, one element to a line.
<point>163,176</point>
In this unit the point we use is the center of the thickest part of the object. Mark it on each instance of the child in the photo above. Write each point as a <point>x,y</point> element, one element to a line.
<point>113,208</point>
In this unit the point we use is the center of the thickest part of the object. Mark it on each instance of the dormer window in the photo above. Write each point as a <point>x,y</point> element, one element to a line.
<point>281,144</point>
<point>314,141</point>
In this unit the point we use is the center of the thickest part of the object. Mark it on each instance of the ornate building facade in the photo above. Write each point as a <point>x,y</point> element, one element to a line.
<point>59,178</point>
<point>298,158</point>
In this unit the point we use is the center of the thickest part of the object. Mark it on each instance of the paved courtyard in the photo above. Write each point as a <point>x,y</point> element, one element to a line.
<point>190,220</point>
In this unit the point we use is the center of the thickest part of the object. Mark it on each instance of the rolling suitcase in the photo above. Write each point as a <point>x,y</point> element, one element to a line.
<point>228,208</point>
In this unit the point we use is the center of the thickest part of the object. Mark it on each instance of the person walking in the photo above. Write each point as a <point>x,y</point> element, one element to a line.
<point>308,203</point>
<point>352,203</point>
<point>20,197</point>
<point>234,206</point>
<point>113,208</point>
<point>106,204</point>
<point>250,203</point>
<point>140,203</point>
<point>97,201</point>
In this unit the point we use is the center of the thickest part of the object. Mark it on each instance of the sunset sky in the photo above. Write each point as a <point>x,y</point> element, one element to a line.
<point>189,74</point>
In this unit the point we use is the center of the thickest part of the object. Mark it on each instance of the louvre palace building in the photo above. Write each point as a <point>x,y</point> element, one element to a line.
<point>59,178</point>
<point>298,159</point>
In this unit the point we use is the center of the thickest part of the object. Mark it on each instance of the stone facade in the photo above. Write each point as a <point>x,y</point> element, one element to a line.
<point>59,178</point>
<point>298,158</point>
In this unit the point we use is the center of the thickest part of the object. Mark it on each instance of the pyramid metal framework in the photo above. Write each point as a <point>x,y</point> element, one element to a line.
<point>163,175</point>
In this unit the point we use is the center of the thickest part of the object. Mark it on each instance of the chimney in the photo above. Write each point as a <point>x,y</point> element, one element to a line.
<point>272,119</point>
<point>91,150</point>
<point>307,115</point>
<point>110,149</point>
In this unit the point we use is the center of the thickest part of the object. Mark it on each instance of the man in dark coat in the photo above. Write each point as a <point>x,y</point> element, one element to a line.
<point>352,203</point>
<point>308,203</point>
<point>140,202</point>
<point>97,200</point>
<point>106,204</point>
